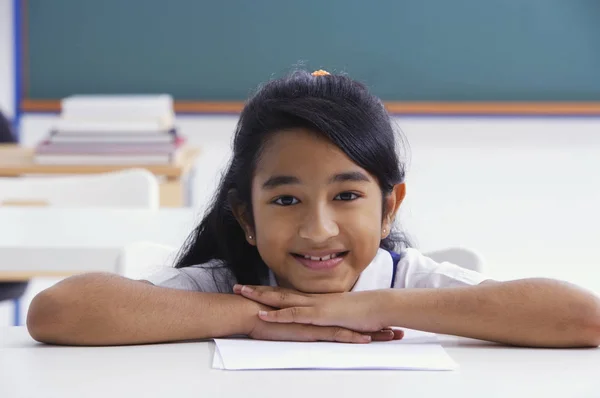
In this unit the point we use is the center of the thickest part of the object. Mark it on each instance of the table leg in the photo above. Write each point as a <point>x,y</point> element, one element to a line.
<point>171,194</point>
<point>189,187</point>
<point>17,312</point>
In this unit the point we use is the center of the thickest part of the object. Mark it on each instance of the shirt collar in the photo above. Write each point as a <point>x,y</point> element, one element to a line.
<point>377,275</point>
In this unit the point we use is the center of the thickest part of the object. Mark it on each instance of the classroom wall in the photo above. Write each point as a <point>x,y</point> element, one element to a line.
<point>6,58</point>
<point>523,191</point>
<point>6,92</point>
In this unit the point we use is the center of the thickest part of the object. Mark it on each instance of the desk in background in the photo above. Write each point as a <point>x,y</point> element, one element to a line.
<point>49,242</point>
<point>29,369</point>
<point>18,161</point>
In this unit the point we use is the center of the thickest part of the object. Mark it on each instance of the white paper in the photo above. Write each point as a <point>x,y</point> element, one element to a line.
<point>417,351</point>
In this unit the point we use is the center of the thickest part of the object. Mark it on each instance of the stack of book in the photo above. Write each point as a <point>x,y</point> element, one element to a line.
<point>112,130</point>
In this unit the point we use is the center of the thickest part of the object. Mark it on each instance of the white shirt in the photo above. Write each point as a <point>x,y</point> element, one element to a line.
<point>414,270</point>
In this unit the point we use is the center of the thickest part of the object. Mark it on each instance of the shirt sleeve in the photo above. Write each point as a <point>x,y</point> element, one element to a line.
<point>212,277</point>
<point>416,270</point>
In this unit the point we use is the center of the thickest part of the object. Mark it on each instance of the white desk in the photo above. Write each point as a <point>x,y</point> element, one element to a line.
<point>55,241</point>
<point>28,369</point>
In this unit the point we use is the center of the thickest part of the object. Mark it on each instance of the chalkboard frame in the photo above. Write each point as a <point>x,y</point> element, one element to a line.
<point>412,108</point>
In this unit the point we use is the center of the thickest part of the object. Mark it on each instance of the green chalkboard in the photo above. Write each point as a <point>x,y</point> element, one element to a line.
<point>405,50</point>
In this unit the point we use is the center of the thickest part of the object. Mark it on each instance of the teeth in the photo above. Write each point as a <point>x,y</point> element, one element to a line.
<point>328,257</point>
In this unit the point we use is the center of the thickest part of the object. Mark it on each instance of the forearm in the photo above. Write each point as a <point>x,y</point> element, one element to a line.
<point>531,312</point>
<point>104,309</point>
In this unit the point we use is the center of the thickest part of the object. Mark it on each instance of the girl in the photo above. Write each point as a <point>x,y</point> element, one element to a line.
<point>299,245</point>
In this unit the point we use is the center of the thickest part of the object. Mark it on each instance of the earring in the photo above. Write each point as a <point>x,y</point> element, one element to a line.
<point>250,237</point>
<point>384,230</point>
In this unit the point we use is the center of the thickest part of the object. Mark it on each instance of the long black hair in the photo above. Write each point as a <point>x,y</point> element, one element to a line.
<point>333,106</point>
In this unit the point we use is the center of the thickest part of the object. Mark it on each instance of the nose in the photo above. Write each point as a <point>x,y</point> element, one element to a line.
<point>318,225</point>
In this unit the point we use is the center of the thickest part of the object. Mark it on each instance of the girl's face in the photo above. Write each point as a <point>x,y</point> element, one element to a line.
<point>318,216</point>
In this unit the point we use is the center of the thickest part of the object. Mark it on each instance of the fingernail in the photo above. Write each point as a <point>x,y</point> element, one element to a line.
<point>262,313</point>
<point>366,338</point>
<point>246,289</point>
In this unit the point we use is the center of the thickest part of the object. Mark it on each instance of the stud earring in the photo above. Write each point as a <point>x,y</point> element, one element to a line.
<point>250,237</point>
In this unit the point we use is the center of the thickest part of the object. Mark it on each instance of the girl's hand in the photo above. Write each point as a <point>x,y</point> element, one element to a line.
<point>263,330</point>
<point>358,311</point>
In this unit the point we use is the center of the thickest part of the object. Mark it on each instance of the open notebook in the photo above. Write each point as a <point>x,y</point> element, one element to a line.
<point>416,351</point>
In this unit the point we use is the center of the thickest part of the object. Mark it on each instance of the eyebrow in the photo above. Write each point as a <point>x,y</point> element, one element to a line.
<point>352,176</point>
<point>277,181</point>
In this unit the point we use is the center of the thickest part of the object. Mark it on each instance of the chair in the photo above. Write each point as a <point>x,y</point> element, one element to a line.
<point>126,188</point>
<point>130,188</point>
<point>6,134</point>
<point>466,258</point>
<point>12,290</point>
<point>140,259</point>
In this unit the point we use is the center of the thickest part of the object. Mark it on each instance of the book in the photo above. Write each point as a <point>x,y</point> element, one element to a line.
<point>124,106</point>
<point>113,126</point>
<point>107,153</point>
<point>106,160</point>
<point>119,137</point>
<point>68,148</point>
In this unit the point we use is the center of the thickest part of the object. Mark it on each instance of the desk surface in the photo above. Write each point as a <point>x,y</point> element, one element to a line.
<point>56,241</point>
<point>16,160</point>
<point>184,370</point>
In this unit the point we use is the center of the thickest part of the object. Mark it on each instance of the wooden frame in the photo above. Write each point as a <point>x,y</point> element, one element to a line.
<point>24,276</point>
<point>396,108</point>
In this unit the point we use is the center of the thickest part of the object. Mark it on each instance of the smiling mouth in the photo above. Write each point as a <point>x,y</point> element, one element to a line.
<point>320,263</point>
<point>323,258</point>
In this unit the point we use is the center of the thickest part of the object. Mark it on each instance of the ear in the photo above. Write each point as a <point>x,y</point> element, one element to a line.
<point>392,204</point>
<point>240,212</point>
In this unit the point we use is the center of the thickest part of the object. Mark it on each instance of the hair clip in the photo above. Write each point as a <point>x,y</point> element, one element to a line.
<point>320,72</point>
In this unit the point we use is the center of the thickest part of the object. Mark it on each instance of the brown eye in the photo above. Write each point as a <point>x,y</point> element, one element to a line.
<point>346,196</point>
<point>286,201</point>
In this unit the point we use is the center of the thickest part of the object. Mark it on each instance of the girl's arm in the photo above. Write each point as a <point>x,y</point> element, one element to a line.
<point>106,309</point>
<point>528,312</point>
